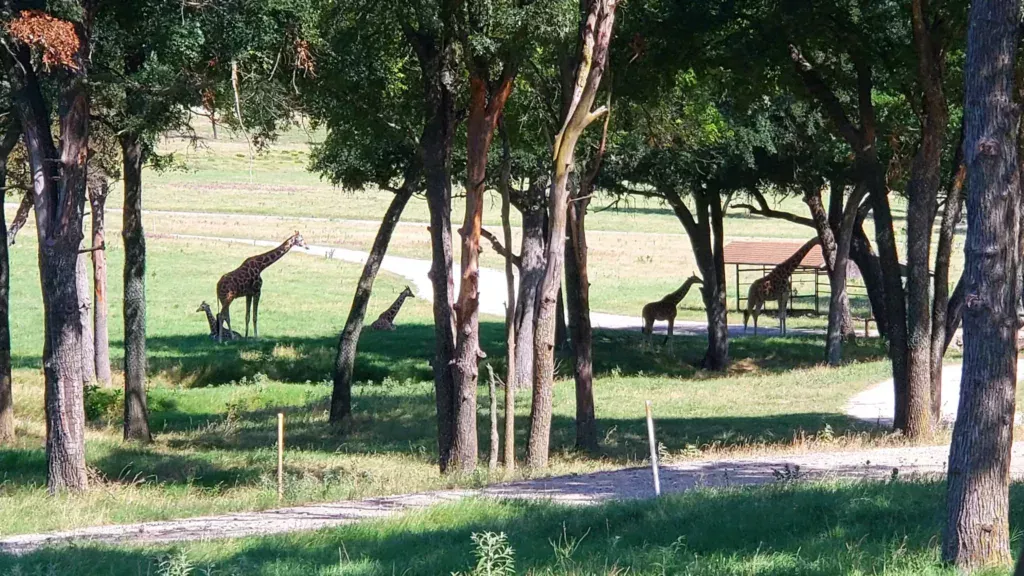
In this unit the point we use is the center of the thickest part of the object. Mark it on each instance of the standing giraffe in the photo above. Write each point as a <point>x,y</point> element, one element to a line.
<point>386,320</point>
<point>775,286</point>
<point>665,309</point>
<point>246,281</point>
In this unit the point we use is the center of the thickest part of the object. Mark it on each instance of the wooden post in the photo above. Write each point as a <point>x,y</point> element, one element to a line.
<point>280,456</point>
<point>738,309</point>
<point>654,448</point>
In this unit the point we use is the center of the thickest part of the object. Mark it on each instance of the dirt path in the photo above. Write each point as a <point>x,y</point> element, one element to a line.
<point>876,404</point>
<point>913,462</point>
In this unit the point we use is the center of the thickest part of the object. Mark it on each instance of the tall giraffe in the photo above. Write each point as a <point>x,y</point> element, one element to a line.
<point>775,286</point>
<point>665,309</point>
<point>246,281</point>
<point>386,320</point>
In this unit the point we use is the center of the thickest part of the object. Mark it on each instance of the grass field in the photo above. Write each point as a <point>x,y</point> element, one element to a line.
<point>213,407</point>
<point>887,529</point>
<point>638,251</point>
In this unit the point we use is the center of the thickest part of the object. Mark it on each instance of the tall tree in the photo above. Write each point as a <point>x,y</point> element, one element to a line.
<point>12,134</point>
<point>59,199</point>
<point>367,92</point>
<point>99,187</point>
<point>977,525</point>
<point>596,35</point>
<point>487,99</point>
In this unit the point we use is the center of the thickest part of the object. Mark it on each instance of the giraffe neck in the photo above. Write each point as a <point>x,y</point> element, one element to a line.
<point>210,319</point>
<point>262,261</point>
<point>785,270</point>
<point>676,297</point>
<point>391,312</point>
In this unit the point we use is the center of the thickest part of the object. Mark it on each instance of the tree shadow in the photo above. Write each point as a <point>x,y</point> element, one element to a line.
<point>784,529</point>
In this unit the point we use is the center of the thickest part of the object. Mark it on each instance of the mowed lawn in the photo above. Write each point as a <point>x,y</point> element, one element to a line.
<point>213,407</point>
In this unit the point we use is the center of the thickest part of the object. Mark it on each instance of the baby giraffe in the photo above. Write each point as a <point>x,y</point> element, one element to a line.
<point>665,309</point>
<point>386,320</point>
<point>228,334</point>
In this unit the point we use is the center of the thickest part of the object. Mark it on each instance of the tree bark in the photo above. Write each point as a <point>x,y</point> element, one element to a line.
<point>58,200</point>
<point>345,359</point>
<point>940,298</point>
<point>596,36</point>
<point>136,414</point>
<point>20,217</point>
<point>977,529</point>
<point>485,109</point>
<point>505,183</point>
<point>840,322</point>
<point>10,139</point>
<point>863,255</point>
<point>435,55</point>
<point>98,189</point>
<point>85,319</point>
<point>531,270</point>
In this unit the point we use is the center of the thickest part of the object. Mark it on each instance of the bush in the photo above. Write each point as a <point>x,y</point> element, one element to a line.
<point>102,403</point>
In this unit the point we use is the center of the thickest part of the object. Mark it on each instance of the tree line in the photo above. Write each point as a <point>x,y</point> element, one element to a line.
<point>694,104</point>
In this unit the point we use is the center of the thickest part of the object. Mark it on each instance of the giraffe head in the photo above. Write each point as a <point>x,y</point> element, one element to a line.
<point>204,307</point>
<point>695,278</point>
<point>297,240</point>
<point>408,293</point>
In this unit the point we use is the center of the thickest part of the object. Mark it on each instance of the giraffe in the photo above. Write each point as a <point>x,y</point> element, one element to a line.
<point>665,309</point>
<point>231,335</point>
<point>775,286</point>
<point>386,320</point>
<point>246,281</point>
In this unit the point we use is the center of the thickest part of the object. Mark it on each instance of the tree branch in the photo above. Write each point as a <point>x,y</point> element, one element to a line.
<point>499,248</point>
<point>769,212</point>
<point>827,98</point>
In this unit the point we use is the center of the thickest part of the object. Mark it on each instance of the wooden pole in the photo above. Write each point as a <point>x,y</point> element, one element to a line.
<point>280,456</point>
<point>654,448</point>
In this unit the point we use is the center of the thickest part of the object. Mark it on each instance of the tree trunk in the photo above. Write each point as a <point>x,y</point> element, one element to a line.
<point>977,529</point>
<point>577,285</point>
<point>98,189</point>
<point>839,319</point>
<point>509,454</point>
<point>20,217</point>
<point>596,36</point>
<point>531,270</point>
<point>954,313</point>
<point>895,304</point>
<point>561,327</point>
<point>85,319</point>
<point>435,57</point>
<point>58,200</point>
<point>717,356</point>
<point>345,359</point>
<point>940,298</point>
<point>136,414</point>
<point>10,139</point>
<point>484,111</point>
<point>871,273</point>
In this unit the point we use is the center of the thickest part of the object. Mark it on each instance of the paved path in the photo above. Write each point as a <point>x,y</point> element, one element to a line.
<point>912,462</point>
<point>876,404</point>
<point>492,288</point>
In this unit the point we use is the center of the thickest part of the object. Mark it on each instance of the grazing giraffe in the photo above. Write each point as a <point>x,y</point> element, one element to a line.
<point>775,286</point>
<point>386,320</point>
<point>212,320</point>
<point>665,309</point>
<point>246,281</point>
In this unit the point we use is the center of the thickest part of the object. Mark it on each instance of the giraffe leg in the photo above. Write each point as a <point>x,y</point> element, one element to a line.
<point>248,309</point>
<point>256,315</point>
<point>225,316</point>
<point>671,325</point>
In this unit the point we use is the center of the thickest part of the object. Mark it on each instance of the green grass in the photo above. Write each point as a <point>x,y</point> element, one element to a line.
<point>825,529</point>
<point>213,406</point>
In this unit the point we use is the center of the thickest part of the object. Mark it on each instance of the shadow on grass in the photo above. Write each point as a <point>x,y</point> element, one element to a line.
<point>782,529</point>
<point>405,356</point>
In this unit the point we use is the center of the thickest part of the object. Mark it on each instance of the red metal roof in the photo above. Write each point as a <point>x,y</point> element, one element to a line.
<point>770,253</point>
